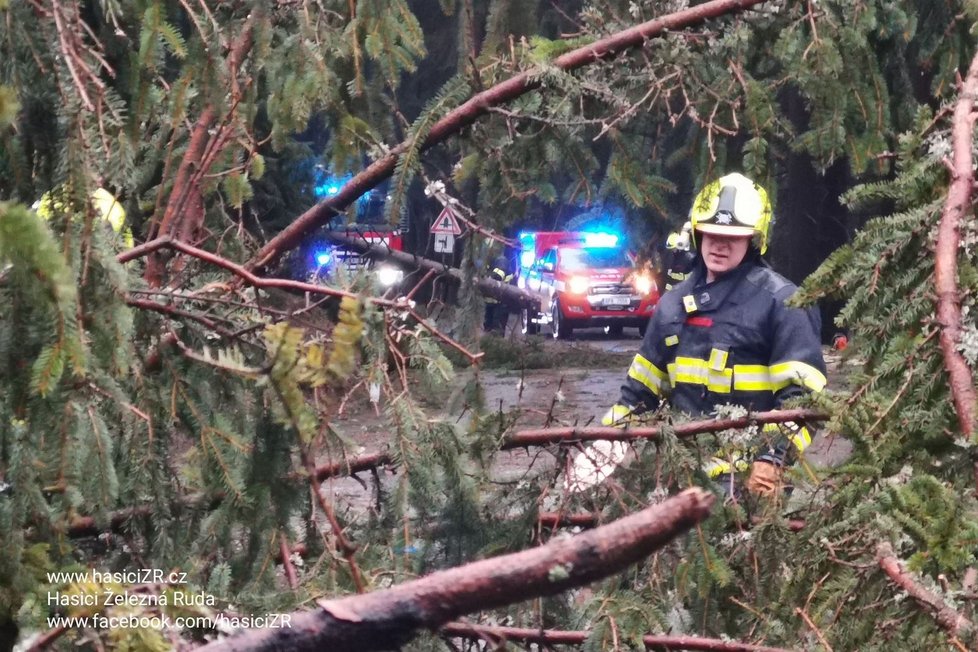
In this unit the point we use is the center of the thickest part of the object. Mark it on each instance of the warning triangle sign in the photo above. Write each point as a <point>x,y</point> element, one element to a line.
<point>446,223</point>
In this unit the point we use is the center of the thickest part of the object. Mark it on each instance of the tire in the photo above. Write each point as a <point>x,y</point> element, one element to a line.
<point>527,327</point>
<point>613,330</point>
<point>559,327</point>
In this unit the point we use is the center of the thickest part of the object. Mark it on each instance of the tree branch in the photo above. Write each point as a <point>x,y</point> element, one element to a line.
<point>546,436</point>
<point>386,619</point>
<point>949,619</point>
<point>956,206</point>
<point>548,637</point>
<point>478,106</point>
<point>184,212</point>
<point>510,294</point>
<point>218,261</point>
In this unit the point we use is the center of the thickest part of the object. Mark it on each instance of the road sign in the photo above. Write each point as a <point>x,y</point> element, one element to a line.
<point>444,243</point>
<point>446,223</point>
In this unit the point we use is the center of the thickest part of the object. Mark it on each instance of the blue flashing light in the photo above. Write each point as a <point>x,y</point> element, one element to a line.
<point>323,258</point>
<point>600,240</point>
<point>527,256</point>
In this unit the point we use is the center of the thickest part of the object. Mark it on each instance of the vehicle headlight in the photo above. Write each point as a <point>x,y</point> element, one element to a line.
<point>388,275</point>
<point>578,285</point>
<point>644,283</point>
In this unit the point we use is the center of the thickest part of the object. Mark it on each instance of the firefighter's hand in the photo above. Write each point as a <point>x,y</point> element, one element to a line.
<point>766,479</point>
<point>596,462</point>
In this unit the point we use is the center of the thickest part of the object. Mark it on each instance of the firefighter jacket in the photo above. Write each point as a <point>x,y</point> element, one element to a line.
<point>732,341</point>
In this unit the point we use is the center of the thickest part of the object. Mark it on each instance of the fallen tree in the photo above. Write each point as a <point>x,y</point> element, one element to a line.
<point>479,105</point>
<point>384,620</point>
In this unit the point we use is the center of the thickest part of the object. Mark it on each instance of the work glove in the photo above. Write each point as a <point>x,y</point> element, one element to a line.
<point>766,479</point>
<point>596,462</point>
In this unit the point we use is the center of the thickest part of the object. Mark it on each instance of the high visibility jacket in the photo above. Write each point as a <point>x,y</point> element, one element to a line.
<point>732,341</point>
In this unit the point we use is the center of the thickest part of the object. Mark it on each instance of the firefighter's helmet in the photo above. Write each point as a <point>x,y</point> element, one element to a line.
<point>106,206</point>
<point>732,205</point>
<point>679,240</point>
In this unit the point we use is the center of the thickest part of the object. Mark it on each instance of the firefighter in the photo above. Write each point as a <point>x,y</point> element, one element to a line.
<point>681,258</point>
<point>497,312</point>
<point>724,336</point>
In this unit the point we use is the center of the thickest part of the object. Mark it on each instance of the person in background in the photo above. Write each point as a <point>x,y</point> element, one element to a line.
<point>680,257</point>
<point>497,312</point>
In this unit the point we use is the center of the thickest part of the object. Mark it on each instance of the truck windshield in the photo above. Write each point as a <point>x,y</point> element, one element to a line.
<point>575,259</point>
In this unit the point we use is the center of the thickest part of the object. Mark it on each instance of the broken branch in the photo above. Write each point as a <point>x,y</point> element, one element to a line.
<point>384,620</point>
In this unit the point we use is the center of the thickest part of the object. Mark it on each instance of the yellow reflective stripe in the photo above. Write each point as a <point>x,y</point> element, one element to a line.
<point>694,371</point>
<point>752,378</point>
<point>648,374</point>
<point>800,437</point>
<point>672,340</point>
<point>689,303</point>
<point>718,359</point>
<point>799,373</point>
<point>719,465</point>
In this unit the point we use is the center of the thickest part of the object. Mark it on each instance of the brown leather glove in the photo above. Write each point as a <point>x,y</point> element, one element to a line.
<point>766,479</point>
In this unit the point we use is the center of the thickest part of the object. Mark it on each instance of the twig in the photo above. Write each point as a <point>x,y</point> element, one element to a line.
<point>818,633</point>
<point>286,557</point>
<point>949,619</point>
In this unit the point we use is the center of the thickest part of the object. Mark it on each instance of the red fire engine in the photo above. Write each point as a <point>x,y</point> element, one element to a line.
<point>583,280</point>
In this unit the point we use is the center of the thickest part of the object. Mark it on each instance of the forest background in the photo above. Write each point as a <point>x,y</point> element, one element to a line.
<point>180,392</point>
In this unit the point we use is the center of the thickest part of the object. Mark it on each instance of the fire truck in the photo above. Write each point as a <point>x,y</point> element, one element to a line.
<point>325,259</point>
<point>583,280</point>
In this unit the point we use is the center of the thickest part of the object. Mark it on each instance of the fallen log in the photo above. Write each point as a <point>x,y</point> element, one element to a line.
<point>387,619</point>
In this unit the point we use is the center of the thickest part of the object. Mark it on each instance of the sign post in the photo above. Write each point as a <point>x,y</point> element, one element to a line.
<point>444,230</point>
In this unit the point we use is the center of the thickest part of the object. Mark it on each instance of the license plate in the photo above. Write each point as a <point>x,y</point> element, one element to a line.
<point>617,301</point>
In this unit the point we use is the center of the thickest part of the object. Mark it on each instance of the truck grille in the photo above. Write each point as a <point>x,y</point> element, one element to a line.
<point>611,288</point>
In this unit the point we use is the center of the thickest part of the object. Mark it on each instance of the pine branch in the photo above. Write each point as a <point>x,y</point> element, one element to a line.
<point>184,212</point>
<point>548,637</point>
<point>219,261</point>
<point>386,619</point>
<point>478,106</point>
<point>546,436</point>
<point>952,621</point>
<point>957,204</point>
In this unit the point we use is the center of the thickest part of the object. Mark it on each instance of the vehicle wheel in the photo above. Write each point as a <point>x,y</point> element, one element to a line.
<point>560,328</point>
<point>527,327</point>
<point>613,330</point>
<point>644,326</point>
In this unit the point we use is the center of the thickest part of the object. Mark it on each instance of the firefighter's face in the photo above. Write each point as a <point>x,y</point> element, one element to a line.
<point>722,253</point>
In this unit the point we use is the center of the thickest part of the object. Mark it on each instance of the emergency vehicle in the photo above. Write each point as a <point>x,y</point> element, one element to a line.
<point>326,258</point>
<point>583,280</point>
